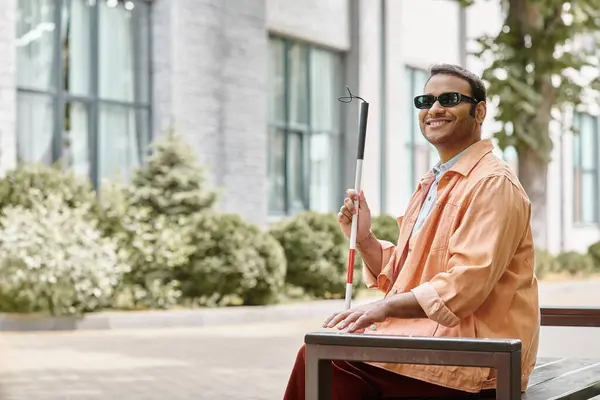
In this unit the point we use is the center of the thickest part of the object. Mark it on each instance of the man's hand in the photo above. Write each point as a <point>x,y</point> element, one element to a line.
<point>402,305</point>
<point>364,215</point>
<point>359,318</point>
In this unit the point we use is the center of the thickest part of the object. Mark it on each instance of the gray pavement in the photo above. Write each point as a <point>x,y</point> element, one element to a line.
<point>233,361</point>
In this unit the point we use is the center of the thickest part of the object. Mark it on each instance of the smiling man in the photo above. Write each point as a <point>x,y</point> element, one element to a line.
<point>462,265</point>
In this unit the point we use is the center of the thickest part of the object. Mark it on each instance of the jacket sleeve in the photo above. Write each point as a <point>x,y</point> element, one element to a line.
<point>494,223</point>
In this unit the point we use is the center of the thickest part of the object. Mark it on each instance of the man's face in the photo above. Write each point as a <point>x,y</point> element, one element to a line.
<point>445,126</point>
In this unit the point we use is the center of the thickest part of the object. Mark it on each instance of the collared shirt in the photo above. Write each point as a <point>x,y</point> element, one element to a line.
<point>470,267</point>
<point>438,170</point>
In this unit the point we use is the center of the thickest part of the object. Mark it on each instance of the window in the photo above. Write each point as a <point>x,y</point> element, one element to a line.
<point>585,169</point>
<point>304,127</point>
<point>84,84</point>
<point>423,156</point>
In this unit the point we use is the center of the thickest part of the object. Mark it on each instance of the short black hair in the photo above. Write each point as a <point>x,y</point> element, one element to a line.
<point>478,90</point>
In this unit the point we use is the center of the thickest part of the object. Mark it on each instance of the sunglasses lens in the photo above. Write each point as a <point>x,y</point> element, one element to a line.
<point>424,101</point>
<point>449,99</point>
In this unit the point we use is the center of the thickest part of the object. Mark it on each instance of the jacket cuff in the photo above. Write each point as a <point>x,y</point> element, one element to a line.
<point>430,301</point>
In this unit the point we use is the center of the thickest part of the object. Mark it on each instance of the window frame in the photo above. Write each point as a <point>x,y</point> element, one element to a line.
<point>305,131</point>
<point>577,166</point>
<point>412,145</point>
<point>60,97</point>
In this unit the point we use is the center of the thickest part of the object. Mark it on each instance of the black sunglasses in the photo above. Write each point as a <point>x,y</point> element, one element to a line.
<point>450,99</point>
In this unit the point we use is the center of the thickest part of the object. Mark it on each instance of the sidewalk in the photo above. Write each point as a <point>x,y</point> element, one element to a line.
<point>572,293</point>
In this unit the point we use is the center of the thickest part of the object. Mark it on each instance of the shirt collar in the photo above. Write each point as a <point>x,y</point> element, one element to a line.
<point>439,168</point>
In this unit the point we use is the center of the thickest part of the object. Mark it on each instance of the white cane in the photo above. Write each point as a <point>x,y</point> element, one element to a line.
<point>360,155</point>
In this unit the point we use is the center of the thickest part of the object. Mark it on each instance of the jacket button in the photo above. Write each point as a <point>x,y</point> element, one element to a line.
<point>394,291</point>
<point>373,327</point>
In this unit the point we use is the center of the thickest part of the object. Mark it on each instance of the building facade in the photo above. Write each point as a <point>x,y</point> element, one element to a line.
<point>253,86</point>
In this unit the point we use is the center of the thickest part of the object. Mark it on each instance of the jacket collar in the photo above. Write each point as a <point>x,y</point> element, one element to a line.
<point>472,156</point>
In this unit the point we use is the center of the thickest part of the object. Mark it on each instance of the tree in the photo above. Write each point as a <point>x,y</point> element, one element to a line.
<point>539,58</point>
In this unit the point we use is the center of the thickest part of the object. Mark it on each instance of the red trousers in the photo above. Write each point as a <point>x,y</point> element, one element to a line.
<point>360,381</point>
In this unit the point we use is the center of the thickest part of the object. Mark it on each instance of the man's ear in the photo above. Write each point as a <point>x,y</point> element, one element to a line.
<point>480,112</point>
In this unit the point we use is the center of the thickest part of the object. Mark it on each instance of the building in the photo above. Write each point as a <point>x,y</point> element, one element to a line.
<point>253,86</point>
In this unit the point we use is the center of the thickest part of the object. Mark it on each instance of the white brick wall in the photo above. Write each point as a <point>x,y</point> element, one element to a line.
<point>8,138</point>
<point>325,22</point>
<point>210,81</point>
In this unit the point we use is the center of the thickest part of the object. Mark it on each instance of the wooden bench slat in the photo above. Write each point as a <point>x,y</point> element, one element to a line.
<point>553,369</point>
<point>580,383</point>
<point>569,316</point>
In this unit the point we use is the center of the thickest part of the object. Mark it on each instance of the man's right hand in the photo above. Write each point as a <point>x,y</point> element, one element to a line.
<point>364,215</point>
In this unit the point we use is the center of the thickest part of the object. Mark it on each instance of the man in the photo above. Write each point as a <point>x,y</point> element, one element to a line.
<point>463,263</point>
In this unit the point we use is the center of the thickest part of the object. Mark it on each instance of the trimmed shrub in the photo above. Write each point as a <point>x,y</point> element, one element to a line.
<point>575,263</point>
<point>54,259</point>
<point>316,251</point>
<point>171,182</point>
<point>385,227</point>
<point>152,245</point>
<point>594,253</point>
<point>24,185</point>
<point>545,263</point>
<point>233,260</point>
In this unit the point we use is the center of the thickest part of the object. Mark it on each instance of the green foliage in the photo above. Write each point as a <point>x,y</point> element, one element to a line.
<point>594,252</point>
<point>385,227</point>
<point>54,259</point>
<point>316,251</point>
<point>545,263</point>
<point>172,182</point>
<point>152,245</point>
<point>575,263</point>
<point>232,259</point>
<point>535,61</point>
<point>18,185</point>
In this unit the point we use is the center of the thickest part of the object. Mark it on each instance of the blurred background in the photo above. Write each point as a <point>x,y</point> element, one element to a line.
<point>171,170</point>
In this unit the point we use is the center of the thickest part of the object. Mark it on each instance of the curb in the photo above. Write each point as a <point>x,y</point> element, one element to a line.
<point>585,292</point>
<point>173,318</point>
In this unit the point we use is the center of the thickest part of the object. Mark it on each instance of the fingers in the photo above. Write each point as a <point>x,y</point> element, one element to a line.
<point>361,324</point>
<point>343,319</point>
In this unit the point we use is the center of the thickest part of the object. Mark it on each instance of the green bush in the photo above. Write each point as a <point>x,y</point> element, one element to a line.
<point>545,263</point>
<point>18,186</point>
<point>316,251</point>
<point>232,259</point>
<point>171,181</point>
<point>594,252</point>
<point>54,259</point>
<point>575,263</point>
<point>385,227</point>
<point>152,245</point>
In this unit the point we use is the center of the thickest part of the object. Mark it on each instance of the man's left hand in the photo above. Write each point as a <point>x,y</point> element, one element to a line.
<point>359,318</point>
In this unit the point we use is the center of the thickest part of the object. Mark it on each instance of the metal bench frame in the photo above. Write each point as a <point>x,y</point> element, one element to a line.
<point>502,354</point>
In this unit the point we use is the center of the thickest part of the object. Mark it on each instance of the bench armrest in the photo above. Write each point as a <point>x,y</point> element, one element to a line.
<point>570,316</point>
<point>321,348</point>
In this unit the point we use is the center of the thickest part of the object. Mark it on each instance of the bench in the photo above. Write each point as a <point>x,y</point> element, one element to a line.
<point>568,378</point>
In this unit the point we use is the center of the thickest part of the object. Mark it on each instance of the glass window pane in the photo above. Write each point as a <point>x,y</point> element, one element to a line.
<point>298,84</point>
<point>123,31</point>
<point>276,171</point>
<point>588,142</point>
<point>35,125</point>
<point>588,195</point>
<point>325,88</point>
<point>324,172</point>
<point>277,81</point>
<point>75,41</point>
<point>295,172</point>
<point>36,30</point>
<point>76,144</point>
<point>121,140</point>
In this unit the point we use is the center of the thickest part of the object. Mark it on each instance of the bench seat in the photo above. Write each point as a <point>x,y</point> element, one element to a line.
<point>553,378</point>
